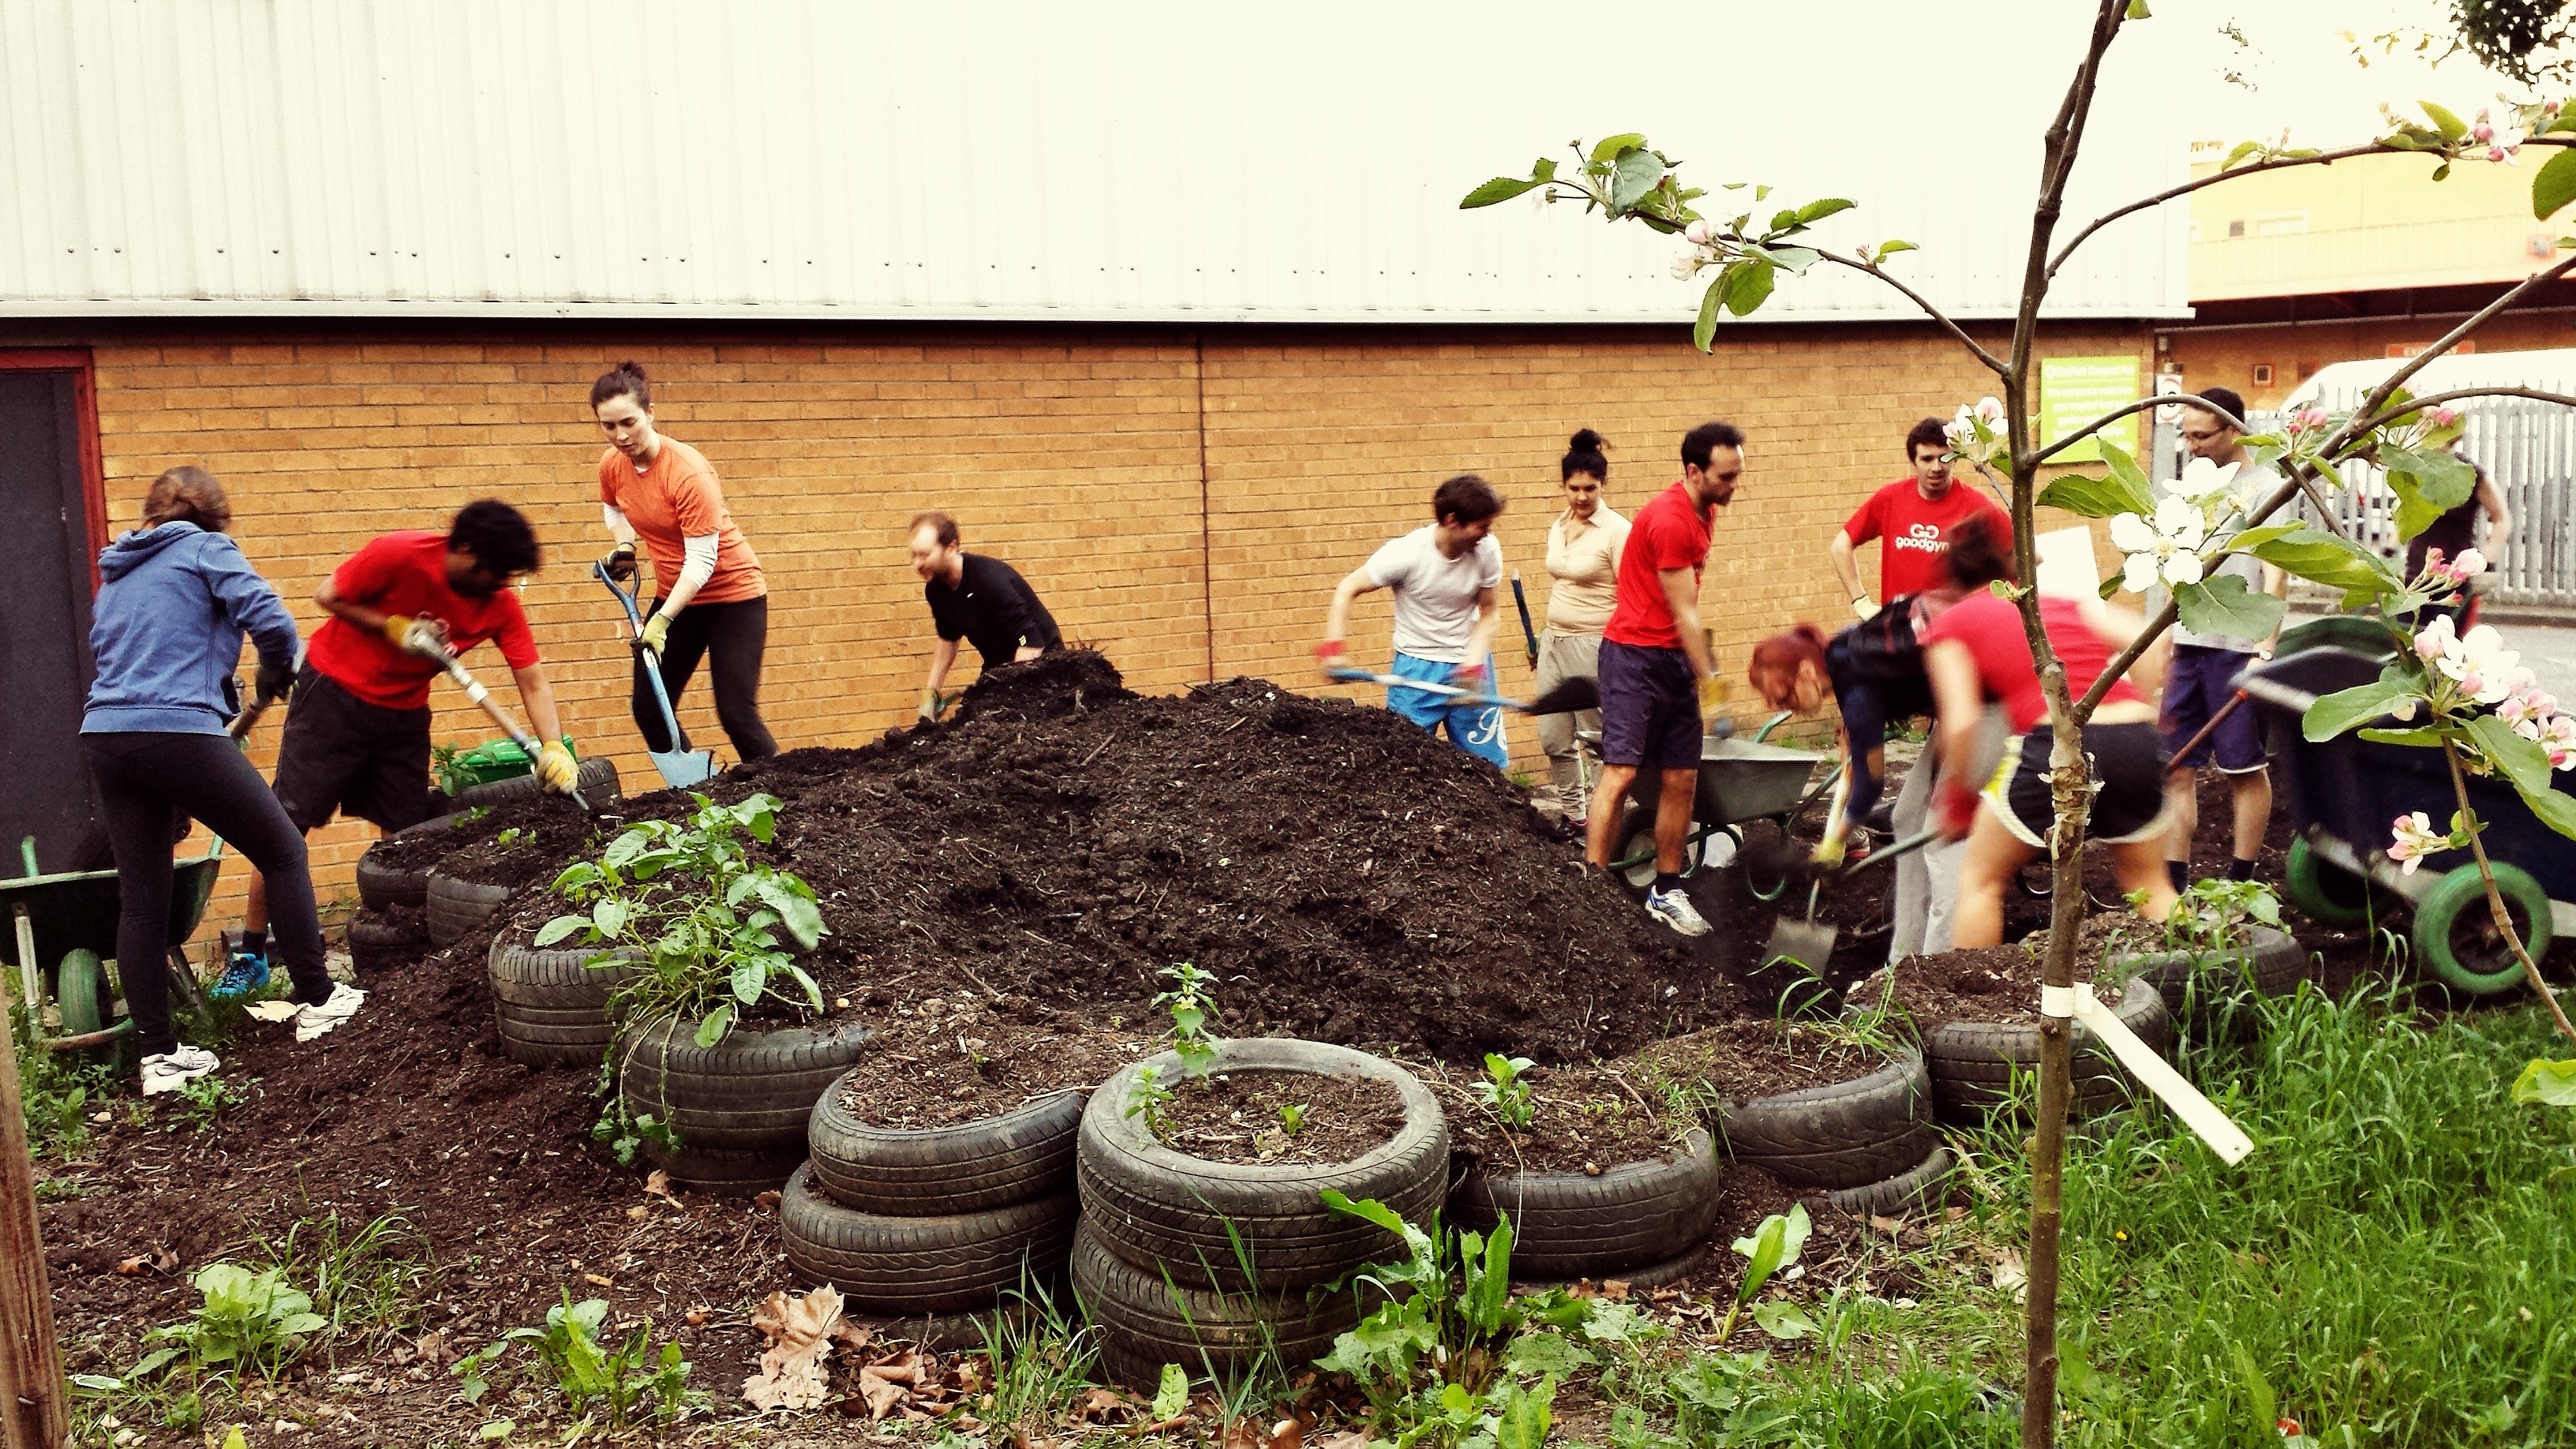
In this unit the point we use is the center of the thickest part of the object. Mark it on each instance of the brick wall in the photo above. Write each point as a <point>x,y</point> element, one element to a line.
<point>1184,502</point>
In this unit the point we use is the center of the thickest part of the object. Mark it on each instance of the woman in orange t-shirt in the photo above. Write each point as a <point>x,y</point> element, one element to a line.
<point>711,599</point>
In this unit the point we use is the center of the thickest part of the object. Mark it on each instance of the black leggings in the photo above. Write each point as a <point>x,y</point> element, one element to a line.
<point>148,780</point>
<point>730,637</point>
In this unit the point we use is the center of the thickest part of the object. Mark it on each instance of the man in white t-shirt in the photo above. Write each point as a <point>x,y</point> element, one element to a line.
<point>1444,577</point>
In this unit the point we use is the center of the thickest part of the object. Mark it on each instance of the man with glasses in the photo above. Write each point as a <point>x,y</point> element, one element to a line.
<point>357,725</point>
<point>1656,668</point>
<point>2200,681</point>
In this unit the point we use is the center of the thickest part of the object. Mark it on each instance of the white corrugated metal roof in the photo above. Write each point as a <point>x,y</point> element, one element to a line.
<point>806,158</point>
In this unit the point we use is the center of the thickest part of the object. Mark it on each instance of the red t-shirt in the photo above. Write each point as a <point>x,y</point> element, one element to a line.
<point>1670,532</point>
<point>406,573</point>
<point>1991,628</point>
<point>1915,531</point>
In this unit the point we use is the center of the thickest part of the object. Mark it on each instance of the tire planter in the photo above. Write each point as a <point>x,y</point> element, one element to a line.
<point>2455,934</point>
<point>739,1107</point>
<point>1842,1135</point>
<point>1166,1212</point>
<point>1912,1190</point>
<point>551,1006</point>
<point>376,943</point>
<point>455,908</point>
<point>1653,1275</point>
<point>1148,1321</point>
<point>1023,1153</point>
<point>925,1265</point>
<point>2195,987</point>
<point>595,777</point>
<point>1973,1062</point>
<point>1568,1225</point>
<point>381,887</point>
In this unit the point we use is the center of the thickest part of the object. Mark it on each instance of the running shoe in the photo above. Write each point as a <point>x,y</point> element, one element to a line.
<point>1675,910</point>
<point>321,1017</point>
<point>245,974</point>
<point>169,1071</point>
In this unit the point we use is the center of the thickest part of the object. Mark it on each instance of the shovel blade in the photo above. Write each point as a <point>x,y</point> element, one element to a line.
<point>1802,941</point>
<point>1566,698</point>
<point>681,769</point>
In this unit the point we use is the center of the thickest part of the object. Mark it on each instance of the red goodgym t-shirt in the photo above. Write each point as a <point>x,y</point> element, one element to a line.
<point>406,573</point>
<point>1991,628</point>
<point>1914,532</point>
<point>1670,532</point>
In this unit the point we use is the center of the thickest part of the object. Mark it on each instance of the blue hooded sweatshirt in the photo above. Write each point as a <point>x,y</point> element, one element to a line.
<point>166,630</point>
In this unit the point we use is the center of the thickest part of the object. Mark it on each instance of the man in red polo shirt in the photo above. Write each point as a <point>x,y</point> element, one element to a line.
<point>357,725</point>
<point>1911,518</point>
<point>1655,662</point>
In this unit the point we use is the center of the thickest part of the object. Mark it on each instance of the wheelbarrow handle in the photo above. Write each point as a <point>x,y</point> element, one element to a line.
<point>2201,736</point>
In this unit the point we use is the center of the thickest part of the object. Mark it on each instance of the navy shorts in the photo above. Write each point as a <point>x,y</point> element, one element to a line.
<point>2128,769</point>
<point>2198,686</point>
<point>1649,708</point>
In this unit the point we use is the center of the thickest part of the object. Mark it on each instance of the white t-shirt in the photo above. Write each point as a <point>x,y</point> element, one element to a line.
<point>1435,597</point>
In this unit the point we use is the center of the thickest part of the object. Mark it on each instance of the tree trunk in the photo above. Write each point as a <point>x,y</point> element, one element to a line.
<point>31,1364</point>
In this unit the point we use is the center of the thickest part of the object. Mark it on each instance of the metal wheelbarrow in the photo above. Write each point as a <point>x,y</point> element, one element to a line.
<point>64,929</point>
<point>1740,781</point>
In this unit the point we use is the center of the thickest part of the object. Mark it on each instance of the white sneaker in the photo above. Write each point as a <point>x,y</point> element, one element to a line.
<point>315,1020</point>
<point>169,1071</point>
<point>1675,910</point>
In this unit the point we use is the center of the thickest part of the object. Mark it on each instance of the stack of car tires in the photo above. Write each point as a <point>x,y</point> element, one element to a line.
<point>1867,1145</point>
<point>934,1223</point>
<point>1215,1266</point>
<point>551,1004</point>
<point>1641,1222</point>
<point>737,1111</point>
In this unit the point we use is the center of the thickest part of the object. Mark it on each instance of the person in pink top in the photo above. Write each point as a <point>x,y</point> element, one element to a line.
<point>1977,652</point>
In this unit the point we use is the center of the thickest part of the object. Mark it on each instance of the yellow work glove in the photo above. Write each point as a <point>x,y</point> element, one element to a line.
<point>398,630</point>
<point>1712,693</point>
<point>555,768</point>
<point>1864,608</point>
<point>930,702</point>
<point>657,631</point>
<point>424,637</point>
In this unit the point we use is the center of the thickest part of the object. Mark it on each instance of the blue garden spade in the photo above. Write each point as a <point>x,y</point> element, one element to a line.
<point>681,766</point>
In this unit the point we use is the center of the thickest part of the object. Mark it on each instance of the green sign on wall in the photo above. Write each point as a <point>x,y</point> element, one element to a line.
<point>2074,391</point>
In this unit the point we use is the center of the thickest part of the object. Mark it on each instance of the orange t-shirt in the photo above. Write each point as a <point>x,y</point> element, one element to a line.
<point>677,498</point>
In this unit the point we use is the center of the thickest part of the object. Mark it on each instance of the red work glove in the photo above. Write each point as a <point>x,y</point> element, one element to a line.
<point>1955,808</point>
<point>1469,677</point>
<point>1328,655</point>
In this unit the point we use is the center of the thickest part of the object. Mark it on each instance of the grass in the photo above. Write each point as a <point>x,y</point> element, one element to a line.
<point>2395,1265</point>
<point>366,1279</point>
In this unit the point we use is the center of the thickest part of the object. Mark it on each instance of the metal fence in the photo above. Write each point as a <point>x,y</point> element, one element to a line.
<point>2528,448</point>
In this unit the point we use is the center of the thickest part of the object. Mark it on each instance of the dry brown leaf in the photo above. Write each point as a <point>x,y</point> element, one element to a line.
<point>1343,1440</point>
<point>132,1266</point>
<point>597,1280</point>
<point>639,1212</point>
<point>881,1393</point>
<point>1100,1404</point>
<point>851,1336</point>
<point>769,1200</point>
<point>1614,1290</point>
<point>792,1375</point>
<point>1240,1434</point>
<point>657,1183</point>
<point>697,1315</point>
<point>1883,1224</point>
<point>1286,1434</point>
<point>431,1348</point>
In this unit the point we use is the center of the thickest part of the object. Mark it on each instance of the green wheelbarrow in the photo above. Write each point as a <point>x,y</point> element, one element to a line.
<point>64,931</point>
<point>1740,781</point>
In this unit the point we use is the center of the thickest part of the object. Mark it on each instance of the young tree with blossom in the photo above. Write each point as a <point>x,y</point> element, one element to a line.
<point>2474,703</point>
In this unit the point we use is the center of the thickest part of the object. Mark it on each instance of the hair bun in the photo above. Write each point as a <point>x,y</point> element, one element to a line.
<point>1588,441</point>
<point>633,369</point>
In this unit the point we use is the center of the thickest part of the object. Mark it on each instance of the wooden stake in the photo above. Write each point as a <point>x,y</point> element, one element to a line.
<point>31,1363</point>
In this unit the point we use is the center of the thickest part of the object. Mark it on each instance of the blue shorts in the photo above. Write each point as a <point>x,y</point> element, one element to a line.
<point>1475,728</point>
<point>1649,708</point>
<point>2198,686</point>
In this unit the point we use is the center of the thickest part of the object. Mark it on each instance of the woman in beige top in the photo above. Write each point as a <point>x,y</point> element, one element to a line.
<point>1583,546</point>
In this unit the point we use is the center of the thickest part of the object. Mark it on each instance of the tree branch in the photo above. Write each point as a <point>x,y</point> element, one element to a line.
<point>1993,363</point>
<point>2439,398</point>
<point>2323,158</point>
<point>2495,900</point>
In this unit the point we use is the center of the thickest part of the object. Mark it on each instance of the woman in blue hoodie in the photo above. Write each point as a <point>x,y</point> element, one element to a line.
<point>174,600</point>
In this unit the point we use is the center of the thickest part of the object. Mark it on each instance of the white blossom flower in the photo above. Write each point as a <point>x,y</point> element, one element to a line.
<point>2469,564</point>
<point>1686,266</point>
<point>2413,838</point>
<point>2505,145</point>
<point>2203,481</point>
<point>2167,547</point>
<point>2478,661</point>
<point>1696,233</point>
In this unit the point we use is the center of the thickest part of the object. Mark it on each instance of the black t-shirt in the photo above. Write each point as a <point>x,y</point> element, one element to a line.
<point>2453,533</point>
<point>992,608</point>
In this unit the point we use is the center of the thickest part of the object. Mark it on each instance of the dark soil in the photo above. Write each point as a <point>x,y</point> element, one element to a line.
<point>1992,983</point>
<point>527,843</point>
<point>1237,1117</point>
<point>1584,1119</point>
<point>1741,1060</point>
<point>956,1059</point>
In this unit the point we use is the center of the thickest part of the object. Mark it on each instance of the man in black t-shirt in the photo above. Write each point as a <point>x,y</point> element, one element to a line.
<point>975,599</point>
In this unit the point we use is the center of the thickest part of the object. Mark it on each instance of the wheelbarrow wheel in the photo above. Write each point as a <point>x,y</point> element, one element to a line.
<point>80,993</point>
<point>2455,931</point>
<point>2330,894</point>
<point>1772,888</point>
<point>1632,855</point>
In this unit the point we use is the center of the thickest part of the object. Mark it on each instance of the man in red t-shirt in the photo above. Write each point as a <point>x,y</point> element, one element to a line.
<point>357,725</point>
<point>1911,518</point>
<point>1655,660</point>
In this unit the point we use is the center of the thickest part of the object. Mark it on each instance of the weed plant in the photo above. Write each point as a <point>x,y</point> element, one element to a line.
<point>1039,1360</point>
<point>366,1279</point>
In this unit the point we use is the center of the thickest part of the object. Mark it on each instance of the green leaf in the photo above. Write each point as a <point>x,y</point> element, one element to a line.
<point>2138,11</point>
<point>1611,146</point>
<point>1173,1394</point>
<point>2249,539</point>
<point>1891,247</point>
<point>2451,126</point>
<point>2551,1084</point>
<point>2258,1389</point>
<point>2126,469</point>
<point>2418,738</point>
<point>1546,1353</point>
<point>608,915</point>
<point>2555,809</point>
<point>1488,1294</point>
<point>2313,553</point>
<point>1774,1245</point>
<point>1500,189</point>
<point>714,1027</point>
<point>2427,484</point>
<point>1782,1320</point>
<point>2345,708</point>
<point>153,1362</point>
<point>558,928</point>
<point>1637,173</point>
<point>2096,497</point>
<point>1751,289</point>
<point>1711,302</point>
<point>1525,1416</point>
<point>2523,762</point>
<point>2243,150</point>
<point>2225,605</point>
<point>747,978</point>
<point>803,920</point>
<point>2555,184</point>
<point>1817,210</point>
